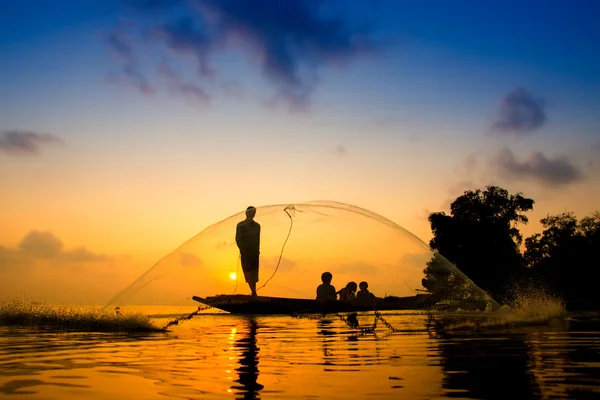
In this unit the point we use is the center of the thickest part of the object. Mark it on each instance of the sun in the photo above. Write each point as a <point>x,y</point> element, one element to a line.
<point>232,276</point>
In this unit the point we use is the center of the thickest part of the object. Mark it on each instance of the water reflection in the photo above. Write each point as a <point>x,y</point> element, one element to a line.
<point>248,387</point>
<point>325,329</point>
<point>492,367</point>
<point>566,360</point>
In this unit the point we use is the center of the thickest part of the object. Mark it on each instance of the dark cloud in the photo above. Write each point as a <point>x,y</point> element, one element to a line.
<point>520,113</point>
<point>340,150</point>
<point>288,40</point>
<point>41,244</point>
<point>81,255</point>
<point>119,44</point>
<point>38,245</point>
<point>13,259</point>
<point>177,85</point>
<point>186,36</point>
<point>25,142</point>
<point>549,172</point>
<point>194,94</point>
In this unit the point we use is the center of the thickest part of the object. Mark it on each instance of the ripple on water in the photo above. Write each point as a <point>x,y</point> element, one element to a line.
<point>220,356</point>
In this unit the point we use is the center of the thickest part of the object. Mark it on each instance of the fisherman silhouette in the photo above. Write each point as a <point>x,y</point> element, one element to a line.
<point>364,296</point>
<point>349,292</point>
<point>247,238</point>
<point>326,291</point>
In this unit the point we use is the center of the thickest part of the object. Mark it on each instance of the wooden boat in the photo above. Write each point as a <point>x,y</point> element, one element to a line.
<point>245,304</point>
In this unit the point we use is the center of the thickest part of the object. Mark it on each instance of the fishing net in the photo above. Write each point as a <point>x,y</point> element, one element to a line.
<point>298,242</point>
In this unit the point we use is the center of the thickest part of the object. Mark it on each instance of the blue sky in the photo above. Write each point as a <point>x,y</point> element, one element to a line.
<point>132,113</point>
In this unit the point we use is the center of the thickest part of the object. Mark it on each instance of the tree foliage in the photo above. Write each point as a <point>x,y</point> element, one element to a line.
<point>565,256</point>
<point>448,284</point>
<point>481,238</point>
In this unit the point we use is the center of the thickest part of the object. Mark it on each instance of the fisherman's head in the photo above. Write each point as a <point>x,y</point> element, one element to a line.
<point>363,285</point>
<point>250,212</point>
<point>326,277</point>
<point>351,286</point>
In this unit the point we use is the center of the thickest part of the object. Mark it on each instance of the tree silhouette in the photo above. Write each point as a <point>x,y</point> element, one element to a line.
<point>481,238</point>
<point>444,281</point>
<point>565,257</point>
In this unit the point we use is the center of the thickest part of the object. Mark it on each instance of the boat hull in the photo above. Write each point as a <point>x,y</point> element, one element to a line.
<point>245,304</point>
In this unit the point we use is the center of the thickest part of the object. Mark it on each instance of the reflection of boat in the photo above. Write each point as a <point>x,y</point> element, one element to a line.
<point>245,304</point>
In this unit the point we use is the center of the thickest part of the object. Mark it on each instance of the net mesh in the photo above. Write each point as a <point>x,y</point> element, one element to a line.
<point>298,243</point>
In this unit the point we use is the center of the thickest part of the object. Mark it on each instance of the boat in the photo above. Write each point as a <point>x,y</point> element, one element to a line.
<point>246,304</point>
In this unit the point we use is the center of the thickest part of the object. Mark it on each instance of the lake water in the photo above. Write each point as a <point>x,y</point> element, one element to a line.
<point>280,357</point>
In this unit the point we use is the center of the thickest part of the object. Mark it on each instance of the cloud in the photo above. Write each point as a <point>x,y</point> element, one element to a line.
<point>548,172</point>
<point>340,150</point>
<point>46,246</point>
<point>119,44</point>
<point>289,41</point>
<point>18,142</point>
<point>41,245</point>
<point>520,114</point>
<point>81,255</point>
<point>13,259</point>
<point>192,93</point>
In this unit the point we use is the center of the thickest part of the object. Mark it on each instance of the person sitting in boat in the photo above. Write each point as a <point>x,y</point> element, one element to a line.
<point>348,293</point>
<point>326,291</point>
<point>364,296</point>
<point>247,238</point>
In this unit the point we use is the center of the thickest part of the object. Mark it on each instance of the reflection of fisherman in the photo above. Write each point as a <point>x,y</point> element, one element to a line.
<point>247,237</point>
<point>248,369</point>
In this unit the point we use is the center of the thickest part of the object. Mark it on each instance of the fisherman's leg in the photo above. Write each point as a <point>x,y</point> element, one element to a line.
<point>252,288</point>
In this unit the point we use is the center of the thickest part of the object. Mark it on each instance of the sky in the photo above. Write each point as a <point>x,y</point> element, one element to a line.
<point>127,127</point>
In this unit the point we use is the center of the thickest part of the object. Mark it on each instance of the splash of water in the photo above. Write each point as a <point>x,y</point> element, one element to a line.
<point>531,306</point>
<point>25,312</point>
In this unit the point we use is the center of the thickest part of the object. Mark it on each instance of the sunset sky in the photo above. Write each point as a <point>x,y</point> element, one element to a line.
<point>126,127</point>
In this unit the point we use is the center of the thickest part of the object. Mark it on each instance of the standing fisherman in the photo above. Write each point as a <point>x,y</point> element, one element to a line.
<point>247,237</point>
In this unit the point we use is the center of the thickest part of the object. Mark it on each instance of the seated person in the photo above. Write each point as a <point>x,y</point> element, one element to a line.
<point>326,291</point>
<point>348,293</point>
<point>364,296</point>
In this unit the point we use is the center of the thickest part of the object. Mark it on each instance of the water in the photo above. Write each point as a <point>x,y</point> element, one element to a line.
<point>280,357</point>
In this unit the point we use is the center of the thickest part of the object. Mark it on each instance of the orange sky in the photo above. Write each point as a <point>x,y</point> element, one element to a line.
<point>113,142</point>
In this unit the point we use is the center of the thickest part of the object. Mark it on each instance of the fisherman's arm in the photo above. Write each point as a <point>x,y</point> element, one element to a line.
<point>238,236</point>
<point>258,238</point>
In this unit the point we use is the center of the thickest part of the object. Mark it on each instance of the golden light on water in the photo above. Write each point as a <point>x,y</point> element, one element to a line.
<point>232,276</point>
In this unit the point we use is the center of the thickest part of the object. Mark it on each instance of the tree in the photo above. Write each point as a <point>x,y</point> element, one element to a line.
<point>440,280</point>
<point>444,281</point>
<point>565,257</point>
<point>481,238</point>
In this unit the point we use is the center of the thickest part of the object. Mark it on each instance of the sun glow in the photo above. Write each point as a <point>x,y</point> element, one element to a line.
<point>232,276</point>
